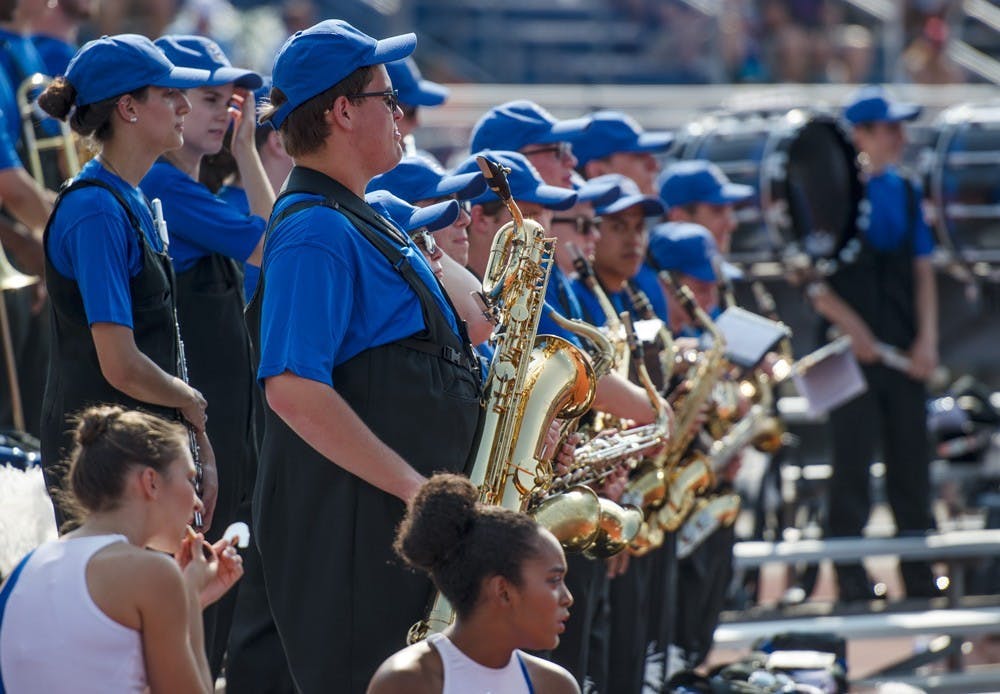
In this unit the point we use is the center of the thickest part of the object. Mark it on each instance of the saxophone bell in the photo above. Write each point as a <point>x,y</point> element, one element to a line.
<point>619,526</point>
<point>574,517</point>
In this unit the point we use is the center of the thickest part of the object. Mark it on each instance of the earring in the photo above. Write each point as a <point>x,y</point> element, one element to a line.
<point>133,119</point>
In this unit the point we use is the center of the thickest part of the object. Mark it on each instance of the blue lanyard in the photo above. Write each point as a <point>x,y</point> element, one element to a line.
<point>520,661</point>
<point>8,588</point>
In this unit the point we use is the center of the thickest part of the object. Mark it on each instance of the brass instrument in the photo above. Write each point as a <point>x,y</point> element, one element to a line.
<point>599,457</point>
<point>66,141</point>
<point>531,381</point>
<point>757,427</point>
<point>708,516</point>
<point>10,278</point>
<point>708,370</point>
<point>656,478</point>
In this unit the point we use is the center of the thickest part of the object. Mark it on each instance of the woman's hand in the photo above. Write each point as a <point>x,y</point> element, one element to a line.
<point>209,570</point>
<point>243,108</point>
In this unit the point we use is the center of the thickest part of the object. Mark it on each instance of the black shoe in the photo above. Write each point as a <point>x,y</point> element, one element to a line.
<point>928,590</point>
<point>855,586</point>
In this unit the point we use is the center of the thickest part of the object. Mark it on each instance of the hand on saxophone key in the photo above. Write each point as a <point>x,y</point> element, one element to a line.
<point>566,454</point>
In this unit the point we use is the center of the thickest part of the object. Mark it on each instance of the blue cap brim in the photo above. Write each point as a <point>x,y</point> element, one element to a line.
<point>436,216</point>
<point>425,93</point>
<point>653,142</point>
<point>566,130</point>
<point>730,271</point>
<point>903,112</point>
<point>731,193</point>
<point>599,194</point>
<point>238,76</point>
<point>552,197</point>
<point>465,186</point>
<point>183,78</point>
<point>394,48</point>
<point>650,206</point>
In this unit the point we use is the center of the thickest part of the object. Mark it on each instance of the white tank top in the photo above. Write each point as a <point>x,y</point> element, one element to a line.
<point>54,638</point>
<point>463,675</point>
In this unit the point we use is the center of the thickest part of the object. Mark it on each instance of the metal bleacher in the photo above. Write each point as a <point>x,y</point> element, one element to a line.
<point>952,619</point>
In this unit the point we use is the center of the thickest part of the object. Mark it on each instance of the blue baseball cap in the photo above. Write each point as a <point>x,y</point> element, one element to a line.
<point>515,124</point>
<point>686,182</point>
<point>683,247</point>
<point>412,219</point>
<point>413,89</point>
<point>418,178</point>
<point>115,65</point>
<point>594,191</point>
<point>629,195</point>
<point>204,53</point>
<point>613,131</point>
<point>314,59</point>
<point>872,104</point>
<point>525,183</point>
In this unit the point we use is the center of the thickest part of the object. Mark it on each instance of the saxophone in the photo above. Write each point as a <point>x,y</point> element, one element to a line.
<point>700,473</point>
<point>531,382</point>
<point>599,457</point>
<point>661,480</point>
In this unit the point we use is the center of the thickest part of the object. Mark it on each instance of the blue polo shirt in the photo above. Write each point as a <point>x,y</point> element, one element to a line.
<point>55,53</point>
<point>92,241</point>
<point>647,281</point>
<point>891,213</point>
<point>331,295</point>
<point>8,105</point>
<point>8,153</point>
<point>620,300</point>
<point>199,222</point>
<point>559,294</point>
<point>19,59</point>
<point>237,197</point>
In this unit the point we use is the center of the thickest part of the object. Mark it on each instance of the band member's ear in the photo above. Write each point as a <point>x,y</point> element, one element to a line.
<point>340,114</point>
<point>125,108</point>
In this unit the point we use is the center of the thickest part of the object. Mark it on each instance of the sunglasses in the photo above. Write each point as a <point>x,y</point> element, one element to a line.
<point>425,241</point>
<point>562,150</point>
<point>390,96</point>
<point>585,226</point>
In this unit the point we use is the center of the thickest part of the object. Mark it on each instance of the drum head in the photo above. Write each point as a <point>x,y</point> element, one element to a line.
<point>821,188</point>
<point>804,169</point>
<point>964,182</point>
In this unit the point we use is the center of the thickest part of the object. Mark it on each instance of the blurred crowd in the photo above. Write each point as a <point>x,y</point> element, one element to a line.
<point>806,41</point>
<point>688,41</point>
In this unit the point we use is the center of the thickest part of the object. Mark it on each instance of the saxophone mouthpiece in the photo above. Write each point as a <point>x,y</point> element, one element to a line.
<point>496,177</point>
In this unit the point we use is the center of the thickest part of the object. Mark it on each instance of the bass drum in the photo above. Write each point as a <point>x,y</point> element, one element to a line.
<point>962,171</point>
<point>804,171</point>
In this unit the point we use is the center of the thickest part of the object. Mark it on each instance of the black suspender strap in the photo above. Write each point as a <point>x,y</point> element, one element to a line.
<point>386,238</point>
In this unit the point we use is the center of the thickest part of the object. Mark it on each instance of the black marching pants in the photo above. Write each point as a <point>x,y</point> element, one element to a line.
<point>583,648</point>
<point>893,412</point>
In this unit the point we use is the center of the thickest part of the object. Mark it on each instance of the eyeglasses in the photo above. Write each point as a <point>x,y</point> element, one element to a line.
<point>390,96</point>
<point>585,226</point>
<point>425,240</point>
<point>562,150</point>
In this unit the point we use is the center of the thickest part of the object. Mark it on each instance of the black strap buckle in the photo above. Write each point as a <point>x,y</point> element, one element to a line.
<point>452,355</point>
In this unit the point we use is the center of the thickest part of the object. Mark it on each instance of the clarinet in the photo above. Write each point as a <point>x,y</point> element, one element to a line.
<point>182,369</point>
